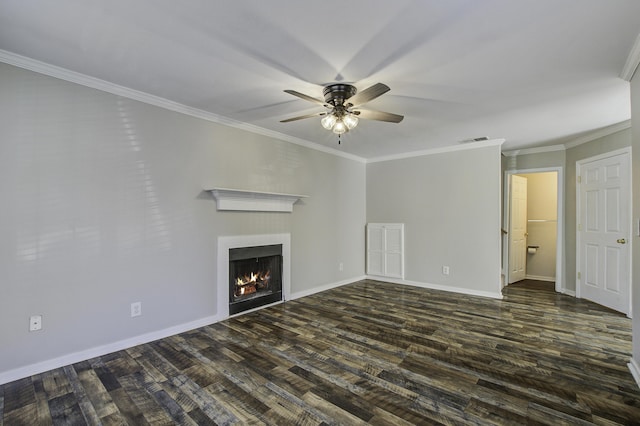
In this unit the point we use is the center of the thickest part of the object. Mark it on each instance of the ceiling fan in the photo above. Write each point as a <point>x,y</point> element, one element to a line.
<point>343,103</point>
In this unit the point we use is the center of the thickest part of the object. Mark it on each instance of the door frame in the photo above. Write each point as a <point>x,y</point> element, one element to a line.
<point>579,164</point>
<point>560,256</point>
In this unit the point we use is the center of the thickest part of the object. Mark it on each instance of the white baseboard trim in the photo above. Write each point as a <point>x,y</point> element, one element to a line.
<point>540,278</point>
<point>303,293</point>
<point>569,292</point>
<point>41,367</point>
<point>635,370</point>
<point>492,295</point>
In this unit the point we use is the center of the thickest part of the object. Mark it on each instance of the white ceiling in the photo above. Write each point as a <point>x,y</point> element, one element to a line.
<point>535,72</point>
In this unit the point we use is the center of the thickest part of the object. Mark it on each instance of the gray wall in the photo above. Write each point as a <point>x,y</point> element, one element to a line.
<point>450,205</point>
<point>635,241</point>
<point>537,160</point>
<point>103,205</point>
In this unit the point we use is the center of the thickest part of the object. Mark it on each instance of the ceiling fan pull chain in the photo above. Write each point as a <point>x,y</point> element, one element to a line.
<point>339,135</point>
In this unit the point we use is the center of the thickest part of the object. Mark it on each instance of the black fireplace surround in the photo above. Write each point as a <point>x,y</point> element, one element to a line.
<point>255,277</point>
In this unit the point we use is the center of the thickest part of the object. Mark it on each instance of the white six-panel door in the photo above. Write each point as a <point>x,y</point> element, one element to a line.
<point>518,229</point>
<point>603,255</point>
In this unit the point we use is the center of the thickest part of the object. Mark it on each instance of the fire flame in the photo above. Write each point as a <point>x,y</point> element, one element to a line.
<point>251,283</point>
<point>253,278</point>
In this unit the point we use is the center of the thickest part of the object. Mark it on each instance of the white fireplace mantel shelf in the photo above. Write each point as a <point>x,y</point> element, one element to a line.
<point>255,201</point>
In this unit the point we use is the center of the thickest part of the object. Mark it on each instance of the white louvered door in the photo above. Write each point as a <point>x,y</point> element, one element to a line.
<point>385,249</point>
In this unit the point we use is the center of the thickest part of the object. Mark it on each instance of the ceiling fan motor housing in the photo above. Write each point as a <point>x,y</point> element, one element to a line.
<point>337,94</point>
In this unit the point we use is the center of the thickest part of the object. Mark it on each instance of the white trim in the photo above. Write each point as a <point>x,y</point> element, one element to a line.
<point>599,133</point>
<point>535,150</point>
<point>560,255</point>
<point>635,370</point>
<point>571,293</point>
<point>461,290</point>
<point>235,241</point>
<point>625,150</point>
<point>591,136</point>
<point>115,89</point>
<point>50,364</point>
<point>433,151</point>
<point>579,164</point>
<point>309,292</point>
<point>633,60</point>
<point>541,278</point>
<point>254,201</point>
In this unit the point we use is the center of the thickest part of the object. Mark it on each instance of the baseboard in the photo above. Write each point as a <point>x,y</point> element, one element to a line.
<point>41,367</point>
<point>471,292</point>
<point>540,278</point>
<point>569,292</point>
<point>635,370</point>
<point>325,287</point>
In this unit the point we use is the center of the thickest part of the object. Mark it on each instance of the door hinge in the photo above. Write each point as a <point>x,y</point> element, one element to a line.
<point>579,275</point>
<point>579,179</point>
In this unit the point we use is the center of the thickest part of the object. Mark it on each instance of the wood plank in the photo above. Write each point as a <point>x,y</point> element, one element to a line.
<point>355,355</point>
<point>65,410</point>
<point>83,393</point>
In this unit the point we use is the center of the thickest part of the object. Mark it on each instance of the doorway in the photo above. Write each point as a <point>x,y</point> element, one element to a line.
<point>534,226</point>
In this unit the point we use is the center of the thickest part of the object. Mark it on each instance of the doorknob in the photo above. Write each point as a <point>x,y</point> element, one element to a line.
<point>621,241</point>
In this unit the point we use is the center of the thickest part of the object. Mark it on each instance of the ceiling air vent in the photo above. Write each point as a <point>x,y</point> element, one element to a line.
<point>480,139</point>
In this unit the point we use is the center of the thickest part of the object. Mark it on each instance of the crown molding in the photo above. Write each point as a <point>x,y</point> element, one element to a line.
<point>126,92</point>
<point>466,146</point>
<point>536,150</point>
<point>596,134</point>
<point>599,133</point>
<point>633,60</point>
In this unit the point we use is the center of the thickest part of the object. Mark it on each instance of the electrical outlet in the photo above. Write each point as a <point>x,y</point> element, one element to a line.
<point>35,323</point>
<point>136,309</point>
<point>341,266</point>
<point>445,270</point>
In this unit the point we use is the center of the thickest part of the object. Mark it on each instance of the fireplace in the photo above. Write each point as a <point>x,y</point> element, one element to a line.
<point>228,243</point>
<point>255,277</point>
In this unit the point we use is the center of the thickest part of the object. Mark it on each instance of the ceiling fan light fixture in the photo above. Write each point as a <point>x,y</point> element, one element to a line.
<point>340,128</point>
<point>328,121</point>
<point>350,121</point>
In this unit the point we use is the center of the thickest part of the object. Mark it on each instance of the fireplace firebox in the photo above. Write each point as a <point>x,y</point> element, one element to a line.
<point>255,277</point>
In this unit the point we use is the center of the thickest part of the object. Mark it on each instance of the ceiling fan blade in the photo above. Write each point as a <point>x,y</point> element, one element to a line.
<point>306,97</point>
<point>302,117</point>
<point>379,115</point>
<point>369,94</point>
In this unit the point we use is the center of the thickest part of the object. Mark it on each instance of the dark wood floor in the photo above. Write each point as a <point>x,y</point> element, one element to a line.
<point>369,352</point>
